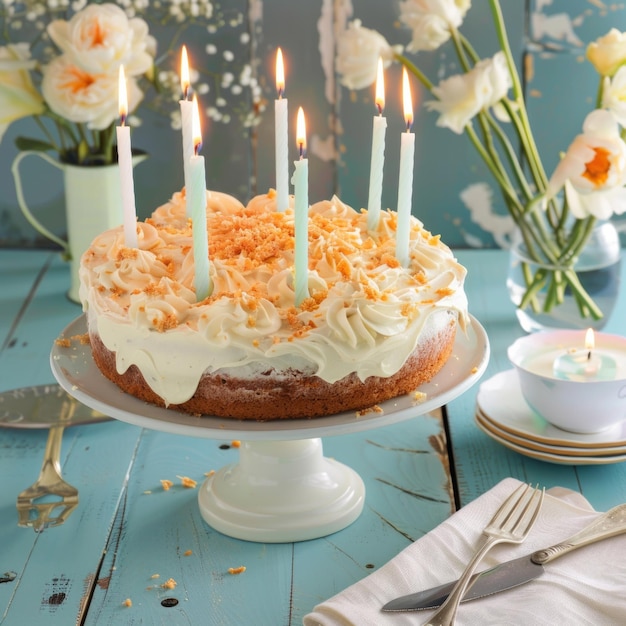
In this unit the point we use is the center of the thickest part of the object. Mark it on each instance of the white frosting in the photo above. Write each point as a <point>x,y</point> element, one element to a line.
<point>366,314</point>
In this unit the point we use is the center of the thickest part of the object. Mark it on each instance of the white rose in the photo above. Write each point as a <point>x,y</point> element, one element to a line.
<point>358,51</point>
<point>608,53</point>
<point>18,96</point>
<point>432,20</point>
<point>82,97</point>
<point>614,95</point>
<point>593,170</point>
<point>462,96</point>
<point>100,38</point>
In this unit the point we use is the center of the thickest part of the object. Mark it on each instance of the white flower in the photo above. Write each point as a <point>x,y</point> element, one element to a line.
<point>614,95</point>
<point>593,170</point>
<point>18,96</point>
<point>82,97</point>
<point>462,96</point>
<point>101,38</point>
<point>432,20</point>
<point>358,51</point>
<point>608,53</point>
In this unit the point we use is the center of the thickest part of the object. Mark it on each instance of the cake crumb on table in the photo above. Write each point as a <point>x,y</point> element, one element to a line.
<point>237,570</point>
<point>170,583</point>
<point>166,484</point>
<point>155,576</point>
<point>235,443</point>
<point>209,473</point>
<point>188,483</point>
<point>187,553</point>
<point>128,602</point>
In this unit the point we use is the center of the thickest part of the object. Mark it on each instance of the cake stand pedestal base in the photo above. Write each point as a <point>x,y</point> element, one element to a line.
<point>282,491</point>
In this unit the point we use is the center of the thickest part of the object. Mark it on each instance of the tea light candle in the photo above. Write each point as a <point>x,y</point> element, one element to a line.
<point>125,162</point>
<point>588,364</point>
<point>378,153</point>
<point>186,118</point>
<point>281,137</point>
<point>301,226</point>
<point>405,180</point>
<point>196,199</point>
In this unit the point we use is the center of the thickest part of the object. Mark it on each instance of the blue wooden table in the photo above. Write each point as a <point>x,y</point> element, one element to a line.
<point>129,536</point>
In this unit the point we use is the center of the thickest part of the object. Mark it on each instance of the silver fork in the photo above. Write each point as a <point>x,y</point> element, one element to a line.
<point>511,524</point>
<point>61,497</point>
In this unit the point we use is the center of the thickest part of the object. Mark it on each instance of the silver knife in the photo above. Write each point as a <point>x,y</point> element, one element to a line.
<point>518,571</point>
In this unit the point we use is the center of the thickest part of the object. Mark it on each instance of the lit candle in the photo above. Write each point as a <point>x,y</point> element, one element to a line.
<point>301,191</point>
<point>378,153</point>
<point>125,163</point>
<point>196,200</point>
<point>281,138</point>
<point>588,364</point>
<point>405,179</point>
<point>186,118</point>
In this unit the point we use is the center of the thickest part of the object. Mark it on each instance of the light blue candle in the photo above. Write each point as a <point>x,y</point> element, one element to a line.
<point>301,191</point>
<point>405,179</point>
<point>197,202</point>
<point>378,154</point>
<point>281,137</point>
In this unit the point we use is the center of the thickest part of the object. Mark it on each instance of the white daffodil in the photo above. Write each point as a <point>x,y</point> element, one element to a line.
<point>462,96</point>
<point>101,38</point>
<point>593,170</point>
<point>431,21</point>
<point>614,94</point>
<point>83,97</point>
<point>18,96</point>
<point>358,51</point>
<point>608,53</point>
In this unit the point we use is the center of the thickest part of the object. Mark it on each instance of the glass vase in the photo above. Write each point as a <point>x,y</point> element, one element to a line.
<point>598,269</point>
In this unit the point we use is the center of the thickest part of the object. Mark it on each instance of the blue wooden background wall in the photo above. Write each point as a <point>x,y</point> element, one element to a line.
<point>453,194</point>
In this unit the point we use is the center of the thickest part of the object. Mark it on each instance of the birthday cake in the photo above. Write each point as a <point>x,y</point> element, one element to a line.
<point>369,330</point>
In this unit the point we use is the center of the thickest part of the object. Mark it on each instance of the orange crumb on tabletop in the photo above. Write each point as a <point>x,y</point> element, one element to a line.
<point>187,553</point>
<point>128,602</point>
<point>166,484</point>
<point>188,483</point>
<point>209,473</point>
<point>235,443</point>
<point>170,583</point>
<point>237,570</point>
<point>155,576</point>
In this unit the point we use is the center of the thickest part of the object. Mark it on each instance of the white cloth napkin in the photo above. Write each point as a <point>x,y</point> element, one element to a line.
<point>587,586</point>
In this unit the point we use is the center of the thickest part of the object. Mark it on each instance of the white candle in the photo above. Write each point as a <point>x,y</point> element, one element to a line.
<point>405,179</point>
<point>125,164</point>
<point>378,154</point>
<point>196,199</point>
<point>301,192</point>
<point>281,137</point>
<point>186,118</point>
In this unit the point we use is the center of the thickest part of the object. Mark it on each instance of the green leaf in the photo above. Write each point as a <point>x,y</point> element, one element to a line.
<point>27,143</point>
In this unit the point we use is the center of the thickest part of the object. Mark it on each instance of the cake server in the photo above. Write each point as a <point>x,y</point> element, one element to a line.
<point>518,571</point>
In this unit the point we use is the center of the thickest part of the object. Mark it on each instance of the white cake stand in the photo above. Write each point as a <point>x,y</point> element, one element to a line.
<point>282,489</point>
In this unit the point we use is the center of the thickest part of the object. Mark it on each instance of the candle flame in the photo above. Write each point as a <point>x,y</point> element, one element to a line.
<point>380,87</point>
<point>406,98</point>
<point>301,132</point>
<point>122,95</point>
<point>184,73</point>
<point>280,73</point>
<point>590,340</point>
<point>196,130</point>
